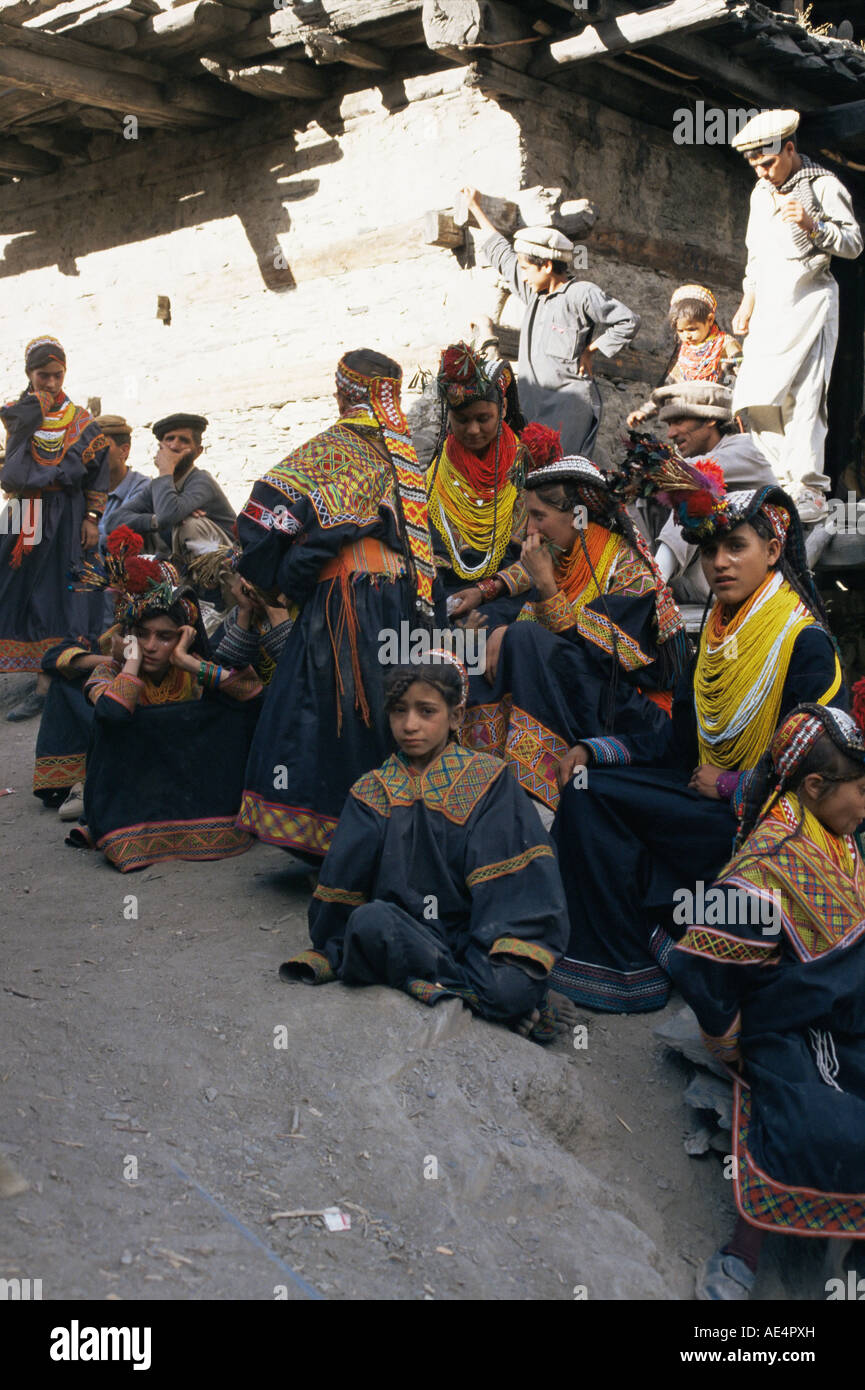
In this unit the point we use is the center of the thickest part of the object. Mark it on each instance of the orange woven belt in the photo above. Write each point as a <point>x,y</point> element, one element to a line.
<point>366,556</point>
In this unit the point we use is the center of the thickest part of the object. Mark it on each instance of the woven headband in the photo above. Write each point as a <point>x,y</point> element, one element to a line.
<point>698,292</point>
<point>800,731</point>
<point>40,351</point>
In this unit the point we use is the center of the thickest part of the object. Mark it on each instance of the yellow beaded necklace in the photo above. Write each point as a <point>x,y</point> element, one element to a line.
<point>453,499</point>
<point>741,669</point>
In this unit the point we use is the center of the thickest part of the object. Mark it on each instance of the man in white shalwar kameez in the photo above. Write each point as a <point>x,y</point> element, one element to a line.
<point>800,217</point>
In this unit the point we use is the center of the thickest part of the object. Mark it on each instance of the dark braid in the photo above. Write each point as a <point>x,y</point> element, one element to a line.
<point>442,676</point>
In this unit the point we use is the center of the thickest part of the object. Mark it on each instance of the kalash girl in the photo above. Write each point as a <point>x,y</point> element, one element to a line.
<point>776,978</point>
<point>477,469</point>
<point>705,352</point>
<point>599,639</point>
<point>439,880</point>
<point>655,812</point>
<point>155,788</point>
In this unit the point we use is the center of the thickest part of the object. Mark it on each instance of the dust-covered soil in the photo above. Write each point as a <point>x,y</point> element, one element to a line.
<point>164,1094</point>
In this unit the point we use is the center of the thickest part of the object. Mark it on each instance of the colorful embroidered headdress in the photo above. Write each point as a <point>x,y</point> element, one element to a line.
<point>375,401</point>
<point>695,292</point>
<point>40,351</point>
<point>141,583</point>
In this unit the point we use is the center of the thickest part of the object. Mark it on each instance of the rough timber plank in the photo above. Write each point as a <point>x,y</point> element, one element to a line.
<point>391,23</point>
<point>196,25</point>
<point>273,81</point>
<point>632,30</point>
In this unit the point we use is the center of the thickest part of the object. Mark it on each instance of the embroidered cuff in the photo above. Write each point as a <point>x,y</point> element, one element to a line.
<point>345,896</point>
<point>95,501</point>
<point>125,689</point>
<point>515,578</point>
<point>311,967</point>
<point>597,629</point>
<point>554,613</point>
<point>530,950</point>
<point>607,752</point>
<point>242,685</point>
<point>69,655</point>
<point>275,638</point>
<point>727,1047</point>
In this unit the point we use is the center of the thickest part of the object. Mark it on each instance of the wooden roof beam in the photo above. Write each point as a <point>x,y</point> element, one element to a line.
<point>396,21</point>
<point>633,29</point>
<point>193,25</point>
<point>324,47</point>
<point>454,27</point>
<point>273,81</point>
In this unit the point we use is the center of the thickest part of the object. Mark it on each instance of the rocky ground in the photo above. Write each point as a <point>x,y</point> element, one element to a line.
<point>164,1094</point>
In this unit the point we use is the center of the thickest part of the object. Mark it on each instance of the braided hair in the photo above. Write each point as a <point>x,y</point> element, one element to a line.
<point>442,676</point>
<point>835,752</point>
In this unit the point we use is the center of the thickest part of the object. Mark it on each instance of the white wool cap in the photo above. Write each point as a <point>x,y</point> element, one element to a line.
<point>545,242</point>
<point>769,128</point>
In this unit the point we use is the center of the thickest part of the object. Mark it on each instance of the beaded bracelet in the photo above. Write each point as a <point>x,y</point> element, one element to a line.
<point>489,587</point>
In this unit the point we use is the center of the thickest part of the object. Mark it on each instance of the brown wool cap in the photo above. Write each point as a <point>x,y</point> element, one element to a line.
<point>697,400</point>
<point>113,424</point>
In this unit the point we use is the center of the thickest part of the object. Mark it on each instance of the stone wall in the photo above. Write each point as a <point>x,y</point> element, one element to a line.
<point>277,251</point>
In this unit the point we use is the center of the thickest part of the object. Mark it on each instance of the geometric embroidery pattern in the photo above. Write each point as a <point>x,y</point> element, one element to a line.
<point>487,872</point>
<point>820,908</point>
<point>58,771</point>
<point>731,950</point>
<point>532,950</point>
<point>597,628</point>
<point>452,785</point>
<point>325,894</point>
<point>344,477</point>
<point>135,846</point>
<point>777,1206</point>
<point>533,750</point>
<point>285,825</point>
<point>24,656</point>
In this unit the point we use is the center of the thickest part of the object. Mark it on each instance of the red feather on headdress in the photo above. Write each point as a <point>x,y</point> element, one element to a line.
<point>544,444</point>
<point>124,541</point>
<point>141,574</point>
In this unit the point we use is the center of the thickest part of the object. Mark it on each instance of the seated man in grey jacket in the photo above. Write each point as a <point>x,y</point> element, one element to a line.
<point>699,420</point>
<point>184,510</point>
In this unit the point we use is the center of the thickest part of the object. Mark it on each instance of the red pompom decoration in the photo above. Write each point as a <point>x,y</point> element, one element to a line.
<point>699,504</point>
<point>543,443</point>
<point>141,573</point>
<point>858,709</point>
<point>123,540</point>
<point>714,475</point>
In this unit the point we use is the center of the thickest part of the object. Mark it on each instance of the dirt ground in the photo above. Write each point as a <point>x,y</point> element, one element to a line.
<point>164,1093</point>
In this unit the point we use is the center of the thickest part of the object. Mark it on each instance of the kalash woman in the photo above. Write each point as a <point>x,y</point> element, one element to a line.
<point>56,477</point>
<point>166,761</point>
<point>339,528</point>
<point>652,813</point>
<point>780,995</point>
<point>599,646</point>
<point>477,521</point>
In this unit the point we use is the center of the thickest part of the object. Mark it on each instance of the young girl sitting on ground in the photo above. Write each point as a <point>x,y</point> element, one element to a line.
<point>706,352</point>
<point>164,767</point>
<point>440,880</point>
<point>784,1002</point>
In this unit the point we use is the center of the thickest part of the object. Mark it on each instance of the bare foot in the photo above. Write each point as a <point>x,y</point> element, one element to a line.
<point>566,1009</point>
<point>526,1024</point>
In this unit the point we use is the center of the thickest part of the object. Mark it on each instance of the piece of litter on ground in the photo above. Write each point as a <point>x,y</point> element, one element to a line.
<point>443,1250</point>
<point>12,1183</point>
<point>626,1125</point>
<point>68,1143</point>
<point>313,1111</point>
<point>293,1215</point>
<point>336,1220</point>
<point>7,791</point>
